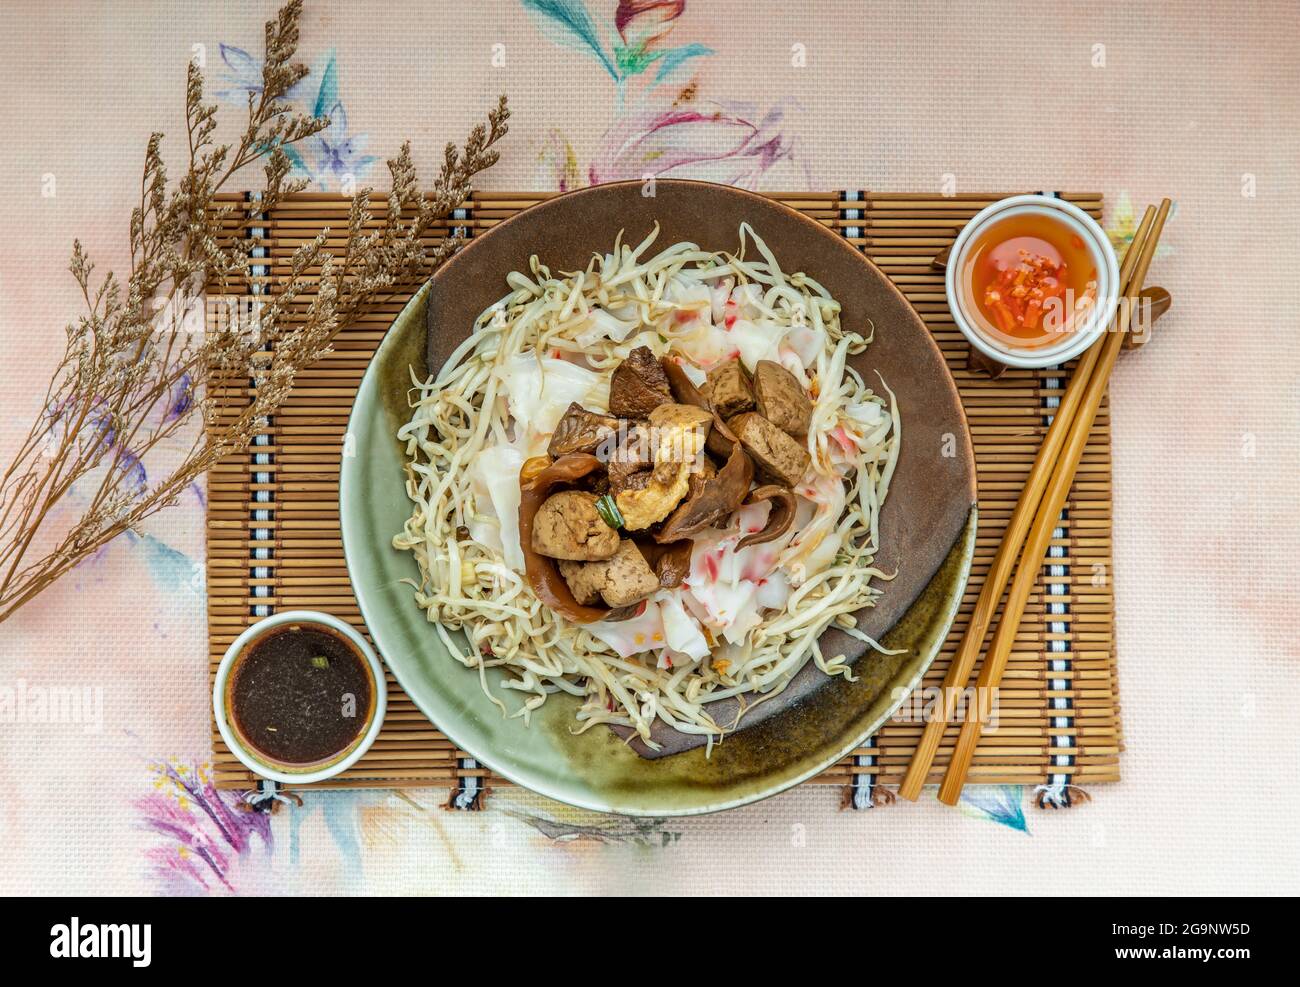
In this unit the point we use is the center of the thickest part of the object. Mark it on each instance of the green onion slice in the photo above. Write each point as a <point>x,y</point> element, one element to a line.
<point>609,512</point>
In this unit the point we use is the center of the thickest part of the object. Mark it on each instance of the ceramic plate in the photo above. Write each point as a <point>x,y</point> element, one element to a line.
<point>927,525</point>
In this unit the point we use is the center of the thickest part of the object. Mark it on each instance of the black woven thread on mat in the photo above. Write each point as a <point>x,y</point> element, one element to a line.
<point>862,786</point>
<point>262,559</point>
<point>262,511</point>
<point>1056,790</point>
<point>469,791</point>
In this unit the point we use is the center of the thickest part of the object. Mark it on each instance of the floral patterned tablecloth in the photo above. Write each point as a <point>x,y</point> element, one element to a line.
<point>1191,100</point>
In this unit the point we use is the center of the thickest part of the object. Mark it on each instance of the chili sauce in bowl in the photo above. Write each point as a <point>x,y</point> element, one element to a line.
<point>1032,281</point>
<point>299,697</point>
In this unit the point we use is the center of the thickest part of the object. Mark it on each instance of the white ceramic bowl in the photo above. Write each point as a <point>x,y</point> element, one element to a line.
<point>1098,246</point>
<point>250,758</point>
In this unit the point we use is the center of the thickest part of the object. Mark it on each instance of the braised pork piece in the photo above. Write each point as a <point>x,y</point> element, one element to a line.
<point>638,385</point>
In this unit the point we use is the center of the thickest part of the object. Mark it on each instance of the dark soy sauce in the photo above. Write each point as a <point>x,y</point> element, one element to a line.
<point>300,695</point>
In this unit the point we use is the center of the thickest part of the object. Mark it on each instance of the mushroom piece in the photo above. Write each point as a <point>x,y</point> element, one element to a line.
<point>680,416</point>
<point>671,562</point>
<point>721,437</point>
<point>580,430</point>
<point>625,613</point>
<point>622,479</point>
<point>716,498</point>
<point>778,521</point>
<point>704,472</point>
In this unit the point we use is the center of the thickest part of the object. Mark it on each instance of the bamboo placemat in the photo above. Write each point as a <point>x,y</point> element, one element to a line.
<point>274,544</point>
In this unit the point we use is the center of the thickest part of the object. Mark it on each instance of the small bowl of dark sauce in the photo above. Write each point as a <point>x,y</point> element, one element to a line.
<point>299,697</point>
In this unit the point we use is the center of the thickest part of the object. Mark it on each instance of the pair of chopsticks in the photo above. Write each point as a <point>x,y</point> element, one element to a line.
<point>1036,516</point>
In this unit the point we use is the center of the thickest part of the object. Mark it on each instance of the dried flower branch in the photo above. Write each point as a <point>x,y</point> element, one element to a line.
<point>142,366</point>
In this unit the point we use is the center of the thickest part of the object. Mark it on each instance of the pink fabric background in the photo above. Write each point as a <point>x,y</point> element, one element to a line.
<point>1191,99</point>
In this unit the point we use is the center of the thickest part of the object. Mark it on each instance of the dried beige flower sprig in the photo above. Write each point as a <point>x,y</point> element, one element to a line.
<point>144,365</point>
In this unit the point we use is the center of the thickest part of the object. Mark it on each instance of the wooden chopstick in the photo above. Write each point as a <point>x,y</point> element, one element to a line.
<point>1000,571</point>
<point>1049,512</point>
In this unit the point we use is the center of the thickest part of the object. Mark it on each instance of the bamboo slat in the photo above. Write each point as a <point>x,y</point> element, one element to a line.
<point>1059,714</point>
